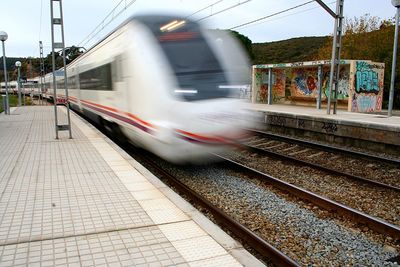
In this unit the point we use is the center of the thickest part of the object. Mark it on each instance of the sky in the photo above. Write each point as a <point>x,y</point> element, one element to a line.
<point>28,21</point>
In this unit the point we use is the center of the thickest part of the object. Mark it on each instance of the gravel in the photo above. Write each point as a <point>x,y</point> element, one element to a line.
<point>299,232</point>
<point>378,202</point>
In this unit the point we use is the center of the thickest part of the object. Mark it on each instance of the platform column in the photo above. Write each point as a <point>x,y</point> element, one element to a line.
<point>270,86</point>
<point>320,82</point>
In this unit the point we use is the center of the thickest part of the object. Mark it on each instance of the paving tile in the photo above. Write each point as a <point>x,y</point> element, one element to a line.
<point>80,202</point>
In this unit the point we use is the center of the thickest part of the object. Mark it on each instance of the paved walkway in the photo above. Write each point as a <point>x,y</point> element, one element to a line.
<point>85,202</point>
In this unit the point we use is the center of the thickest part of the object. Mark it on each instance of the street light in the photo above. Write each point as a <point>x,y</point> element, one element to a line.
<point>396,4</point>
<point>18,65</point>
<point>3,37</point>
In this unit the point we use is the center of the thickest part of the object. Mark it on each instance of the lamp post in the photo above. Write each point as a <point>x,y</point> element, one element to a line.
<point>18,65</point>
<point>396,4</point>
<point>3,37</point>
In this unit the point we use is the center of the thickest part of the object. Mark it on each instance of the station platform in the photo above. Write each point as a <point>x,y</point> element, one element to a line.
<point>85,202</point>
<point>377,132</point>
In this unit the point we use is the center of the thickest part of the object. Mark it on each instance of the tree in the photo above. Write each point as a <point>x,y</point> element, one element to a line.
<point>245,41</point>
<point>72,52</point>
<point>368,38</point>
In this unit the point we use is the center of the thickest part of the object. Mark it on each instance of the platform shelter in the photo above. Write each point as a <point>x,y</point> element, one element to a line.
<point>307,83</point>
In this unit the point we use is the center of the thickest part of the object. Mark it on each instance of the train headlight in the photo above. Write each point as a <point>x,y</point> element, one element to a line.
<point>185,91</point>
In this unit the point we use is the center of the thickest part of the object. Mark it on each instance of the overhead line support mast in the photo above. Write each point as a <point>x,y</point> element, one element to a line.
<point>336,49</point>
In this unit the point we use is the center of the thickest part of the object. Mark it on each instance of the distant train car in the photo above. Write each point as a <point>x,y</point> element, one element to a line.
<point>166,82</point>
<point>11,85</point>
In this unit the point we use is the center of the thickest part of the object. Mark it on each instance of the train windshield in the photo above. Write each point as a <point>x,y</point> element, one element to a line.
<point>198,72</point>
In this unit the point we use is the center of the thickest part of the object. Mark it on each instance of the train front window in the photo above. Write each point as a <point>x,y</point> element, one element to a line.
<point>198,72</point>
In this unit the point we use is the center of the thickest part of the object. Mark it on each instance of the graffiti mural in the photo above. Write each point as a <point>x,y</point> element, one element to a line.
<point>367,94</point>
<point>304,82</point>
<point>261,85</point>
<point>279,83</point>
<point>366,78</point>
<point>343,83</point>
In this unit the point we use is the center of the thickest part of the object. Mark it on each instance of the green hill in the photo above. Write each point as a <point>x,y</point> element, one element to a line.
<point>291,50</point>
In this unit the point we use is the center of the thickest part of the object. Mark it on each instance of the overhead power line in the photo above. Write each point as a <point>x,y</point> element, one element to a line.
<point>272,15</point>
<point>106,21</point>
<point>226,9</point>
<point>292,14</point>
<point>198,11</point>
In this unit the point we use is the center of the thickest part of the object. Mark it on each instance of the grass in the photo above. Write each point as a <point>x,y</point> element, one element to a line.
<point>14,101</point>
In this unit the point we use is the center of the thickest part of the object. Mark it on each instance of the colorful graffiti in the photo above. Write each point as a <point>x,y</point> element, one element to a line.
<point>304,82</point>
<point>368,87</point>
<point>366,103</point>
<point>343,83</point>
<point>366,78</point>
<point>279,83</point>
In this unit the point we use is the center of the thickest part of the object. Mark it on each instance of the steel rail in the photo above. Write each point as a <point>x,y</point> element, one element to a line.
<point>260,245</point>
<point>375,224</point>
<point>320,167</point>
<point>326,147</point>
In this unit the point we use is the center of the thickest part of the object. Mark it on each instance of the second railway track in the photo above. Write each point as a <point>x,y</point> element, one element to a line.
<point>368,168</point>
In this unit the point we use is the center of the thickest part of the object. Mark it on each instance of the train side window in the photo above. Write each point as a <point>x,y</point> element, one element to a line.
<point>97,78</point>
<point>60,84</point>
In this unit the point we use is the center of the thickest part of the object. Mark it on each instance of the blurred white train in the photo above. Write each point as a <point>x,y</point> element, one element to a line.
<point>166,82</point>
<point>30,87</point>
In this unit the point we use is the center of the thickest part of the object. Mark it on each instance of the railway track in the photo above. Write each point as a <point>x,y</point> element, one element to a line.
<point>375,170</point>
<point>269,253</point>
<point>375,224</point>
<point>327,148</point>
<point>260,245</point>
<point>264,250</point>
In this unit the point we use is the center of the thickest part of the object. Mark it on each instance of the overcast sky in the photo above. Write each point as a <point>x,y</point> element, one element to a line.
<point>28,21</point>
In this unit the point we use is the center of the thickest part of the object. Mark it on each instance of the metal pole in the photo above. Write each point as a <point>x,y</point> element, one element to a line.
<point>4,103</point>
<point>270,86</point>
<point>339,12</point>
<point>23,93</point>
<point>393,77</point>
<point>320,77</point>
<point>65,72</point>
<point>336,48</point>
<point>54,71</point>
<point>7,108</point>
<point>41,70</point>
<point>19,87</point>
<point>328,108</point>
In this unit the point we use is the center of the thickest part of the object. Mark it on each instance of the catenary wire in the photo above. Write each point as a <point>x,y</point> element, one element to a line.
<point>226,9</point>
<point>272,15</point>
<point>295,13</point>
<point>204,8</point>
<point>102,24</point>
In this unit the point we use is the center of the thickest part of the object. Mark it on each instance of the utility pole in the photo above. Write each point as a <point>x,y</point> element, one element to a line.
<point>3,38</point>
<point>336,49</point>
<point>41,69</point>
<point>59,22</point>
<point>396,4</point>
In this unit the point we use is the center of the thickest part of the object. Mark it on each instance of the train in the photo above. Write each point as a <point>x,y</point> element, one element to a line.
<point>167,83</point>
